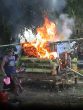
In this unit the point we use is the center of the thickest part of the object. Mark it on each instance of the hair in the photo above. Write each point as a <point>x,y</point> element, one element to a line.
<point>10,50</point>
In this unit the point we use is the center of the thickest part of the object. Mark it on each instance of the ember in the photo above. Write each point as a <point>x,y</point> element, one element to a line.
<point>29,50</point>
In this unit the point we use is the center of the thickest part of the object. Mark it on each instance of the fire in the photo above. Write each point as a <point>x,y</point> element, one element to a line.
<point>48,31</point>
<point>40,46</point>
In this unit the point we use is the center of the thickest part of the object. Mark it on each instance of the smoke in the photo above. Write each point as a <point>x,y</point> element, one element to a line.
<point>22,12</point>
<point>66,25</point>
<point>27,13</point>
<point>56,5</point>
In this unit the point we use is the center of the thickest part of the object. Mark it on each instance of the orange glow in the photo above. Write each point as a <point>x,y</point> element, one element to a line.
<point>40,47</point>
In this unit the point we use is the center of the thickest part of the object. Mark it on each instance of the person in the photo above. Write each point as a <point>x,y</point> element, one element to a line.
<point>57,67</point>
<point>69,60</point>
<point>55,70</point>
<point>8,67</point>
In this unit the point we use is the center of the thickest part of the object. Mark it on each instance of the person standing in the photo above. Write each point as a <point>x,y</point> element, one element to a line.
<point>8,67</point>
<point>55,70</point>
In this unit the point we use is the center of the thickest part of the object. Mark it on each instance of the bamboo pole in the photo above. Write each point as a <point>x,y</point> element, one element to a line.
<point>9,44</point>
<point>50,42</point>
<point>75,71</point>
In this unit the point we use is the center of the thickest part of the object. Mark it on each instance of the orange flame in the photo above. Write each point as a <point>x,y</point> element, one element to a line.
<point>40,46</point>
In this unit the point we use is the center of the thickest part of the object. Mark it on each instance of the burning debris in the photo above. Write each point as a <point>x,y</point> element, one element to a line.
<point>29,50</point>
<point>40,46</point>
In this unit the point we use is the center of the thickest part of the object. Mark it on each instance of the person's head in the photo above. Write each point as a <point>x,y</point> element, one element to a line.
<point>10,52</point>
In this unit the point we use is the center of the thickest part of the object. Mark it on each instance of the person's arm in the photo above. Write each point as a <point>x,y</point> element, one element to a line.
<point>2,65</point>
<point>16,58</point>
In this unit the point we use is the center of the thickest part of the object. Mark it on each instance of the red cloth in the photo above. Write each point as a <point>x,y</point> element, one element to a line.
<point>3,96</point>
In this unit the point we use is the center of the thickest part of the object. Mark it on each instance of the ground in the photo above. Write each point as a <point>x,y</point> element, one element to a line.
<point>42,93</point>
<point>68,96</point>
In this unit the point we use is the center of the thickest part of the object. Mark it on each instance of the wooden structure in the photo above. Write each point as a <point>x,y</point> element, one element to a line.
<point>37,68</point>
<point>41,70</point>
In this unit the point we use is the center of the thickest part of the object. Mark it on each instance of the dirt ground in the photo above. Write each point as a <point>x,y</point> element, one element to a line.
<point>45,93</point>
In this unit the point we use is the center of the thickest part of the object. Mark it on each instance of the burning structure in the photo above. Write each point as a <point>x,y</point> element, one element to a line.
<point>38,50</point>
<point>40,46</point>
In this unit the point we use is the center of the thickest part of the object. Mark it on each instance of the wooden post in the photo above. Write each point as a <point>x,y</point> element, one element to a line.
<point>75,80</point>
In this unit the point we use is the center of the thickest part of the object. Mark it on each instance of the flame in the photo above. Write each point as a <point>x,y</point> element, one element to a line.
<point>40,46</point>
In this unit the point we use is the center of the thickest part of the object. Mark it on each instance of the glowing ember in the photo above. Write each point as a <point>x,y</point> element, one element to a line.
<point>40,46</point>
<point>29,50</point>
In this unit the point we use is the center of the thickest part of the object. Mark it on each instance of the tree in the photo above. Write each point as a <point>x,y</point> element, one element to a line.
<point>5,31</point>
